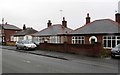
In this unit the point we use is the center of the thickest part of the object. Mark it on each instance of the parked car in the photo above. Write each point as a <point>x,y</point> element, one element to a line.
<point>36,42</point>
<point>115,52</point>
<point>25,44</point>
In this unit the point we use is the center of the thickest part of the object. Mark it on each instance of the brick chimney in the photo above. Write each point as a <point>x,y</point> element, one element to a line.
<point>49,23</point>
<point>117,17</point>
<point>64,23</point>
<point>87,19</point>
<point>6,23</point>
<point>24,27</point>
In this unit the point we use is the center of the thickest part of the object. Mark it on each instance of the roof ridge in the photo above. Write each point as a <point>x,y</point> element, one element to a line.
<point>83,26</point>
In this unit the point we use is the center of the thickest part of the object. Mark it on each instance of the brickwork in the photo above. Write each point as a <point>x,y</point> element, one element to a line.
<point>86,49</point>
<point>8,34</point>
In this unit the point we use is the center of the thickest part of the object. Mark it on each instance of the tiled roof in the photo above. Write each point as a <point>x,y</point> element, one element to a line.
<point>56,29</point>
<point>9,26</point>
<point>27,31</point>
<point>98,27</point>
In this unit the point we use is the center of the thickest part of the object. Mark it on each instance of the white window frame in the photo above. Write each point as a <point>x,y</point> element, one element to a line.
<point>111,40</point>
<point>54,39</point>
<point>78,40</point>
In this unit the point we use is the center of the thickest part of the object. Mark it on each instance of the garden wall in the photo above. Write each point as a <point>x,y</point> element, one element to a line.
<point>85,49</point>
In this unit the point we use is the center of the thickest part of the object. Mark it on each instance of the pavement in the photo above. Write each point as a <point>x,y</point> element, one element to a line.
<point>63,56</point>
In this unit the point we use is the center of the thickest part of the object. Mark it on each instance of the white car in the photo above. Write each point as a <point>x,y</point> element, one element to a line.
<point>25,44</point>
<point>115,52</point>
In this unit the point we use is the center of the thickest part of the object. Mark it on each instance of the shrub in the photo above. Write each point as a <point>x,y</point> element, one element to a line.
<point>104,53</point>
<point>10,44</point>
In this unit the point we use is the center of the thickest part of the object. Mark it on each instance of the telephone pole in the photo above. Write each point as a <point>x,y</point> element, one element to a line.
<point>2,31</point>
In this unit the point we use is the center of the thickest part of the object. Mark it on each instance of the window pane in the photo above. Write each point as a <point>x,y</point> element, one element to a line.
<point>109,43</point>
<point>109,37</point>
<point>82,41</point>
<point>113,37</point>
<point>72,37</point>
<point>79,41</point>
<point>75,41</point>
<point>105,43</point>
<point>82,37</point>
<point>118,37</point>
<point>113,43</point>
<point>118,42</point>
<point>75,37</point>
<point>104,37</point>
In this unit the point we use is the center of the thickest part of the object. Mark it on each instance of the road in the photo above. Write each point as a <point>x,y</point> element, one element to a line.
<point>18,62</point>
<point>0,61</point>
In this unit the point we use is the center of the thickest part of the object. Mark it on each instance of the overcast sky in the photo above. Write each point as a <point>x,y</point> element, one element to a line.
<point>36,13</point>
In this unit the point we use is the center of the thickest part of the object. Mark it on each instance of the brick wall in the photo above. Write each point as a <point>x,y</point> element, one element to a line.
<point>86,49</point>
<point>8,34</point>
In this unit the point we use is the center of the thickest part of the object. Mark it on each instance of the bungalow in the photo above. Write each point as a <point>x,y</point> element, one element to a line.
<point>53,33</point>
<point>25,34</point>
<point>104,31</point>
<point>6,31</point>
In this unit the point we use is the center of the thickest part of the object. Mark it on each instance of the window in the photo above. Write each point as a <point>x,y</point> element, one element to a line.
<point>21,38</point>
<point>36,39</point>
<point>12,38</point>
<point>78,40</point>
<point>54,39</point>
<point>43,39</point>
<point>111,41</point>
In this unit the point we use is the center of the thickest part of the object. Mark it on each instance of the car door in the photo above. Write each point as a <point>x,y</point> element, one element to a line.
<point>20,44</point>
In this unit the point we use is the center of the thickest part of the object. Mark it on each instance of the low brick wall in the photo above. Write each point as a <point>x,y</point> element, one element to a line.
<point>86,49</point>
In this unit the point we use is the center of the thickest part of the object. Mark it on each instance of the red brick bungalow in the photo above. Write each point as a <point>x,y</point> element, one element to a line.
<point>24,34</point>
<point>104,31</point>
<point>51,33</point>
<point>7,30</point>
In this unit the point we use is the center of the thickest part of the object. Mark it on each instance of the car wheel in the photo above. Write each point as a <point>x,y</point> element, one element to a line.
<point>25,48</point>
<point>17,47</point>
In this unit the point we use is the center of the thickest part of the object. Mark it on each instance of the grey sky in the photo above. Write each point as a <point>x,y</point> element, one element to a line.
<point>36,13</point>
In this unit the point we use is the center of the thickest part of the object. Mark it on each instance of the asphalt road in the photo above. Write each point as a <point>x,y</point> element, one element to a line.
<point>18,62</point>
<point>0,60</point>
